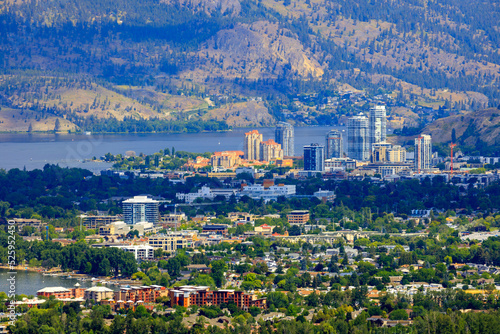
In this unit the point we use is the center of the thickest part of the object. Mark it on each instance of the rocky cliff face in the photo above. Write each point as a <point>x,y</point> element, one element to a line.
<point>242,114</point>
<point>256,50</point>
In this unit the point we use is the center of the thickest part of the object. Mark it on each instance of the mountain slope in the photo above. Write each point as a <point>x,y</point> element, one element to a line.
<point>160,59</point>
<point>473,130</point>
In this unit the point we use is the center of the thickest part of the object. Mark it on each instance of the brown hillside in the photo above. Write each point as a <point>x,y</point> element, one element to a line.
<point>483,124</point>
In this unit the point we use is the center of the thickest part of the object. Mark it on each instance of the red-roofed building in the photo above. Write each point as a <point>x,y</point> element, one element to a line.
<point>264,229</point>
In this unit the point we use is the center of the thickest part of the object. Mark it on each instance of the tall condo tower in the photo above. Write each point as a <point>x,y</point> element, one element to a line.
<point>284,135</point>
<point>423,153</point>
<point>358,145</point>
<point>314,157</point>
<point>378,125</point>
<point>140,209</point>
<point>252,145</point>
<point>334,144</point>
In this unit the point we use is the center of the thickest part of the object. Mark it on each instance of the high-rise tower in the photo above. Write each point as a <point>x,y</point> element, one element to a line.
<point>378,124</point>
<point>423,153</point>
<point>252,145</point>
<point>358,145</point>
<point>140,209</point>
<point>284,135</point>
<point>314,157</point>
<point>334,144</point>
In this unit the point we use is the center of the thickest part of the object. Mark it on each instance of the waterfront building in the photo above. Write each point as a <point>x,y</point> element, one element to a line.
<point>146,294</point>
<point>314,157</point>
<point>141,252</point>
<point>423,153</point>
<point>188,295</point>
<point>253,139</point>
<point>284,135</point>
<point>334,145</point>
<point>140,209</point>
<point>98,293</point>
<point>358,141</point>
<point>270,151</point>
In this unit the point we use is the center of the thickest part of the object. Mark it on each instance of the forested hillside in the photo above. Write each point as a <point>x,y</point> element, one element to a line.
<point>66,65</point>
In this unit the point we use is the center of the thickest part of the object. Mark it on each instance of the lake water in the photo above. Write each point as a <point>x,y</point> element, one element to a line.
<point>33,151</point>
<point>29,282</point>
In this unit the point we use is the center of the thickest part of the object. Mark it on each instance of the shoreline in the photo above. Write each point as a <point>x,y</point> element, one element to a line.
<point>159,132</point>
<point>108,280</point>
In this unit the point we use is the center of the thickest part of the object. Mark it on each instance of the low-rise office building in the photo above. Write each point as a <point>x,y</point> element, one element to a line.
<point>298,217</point>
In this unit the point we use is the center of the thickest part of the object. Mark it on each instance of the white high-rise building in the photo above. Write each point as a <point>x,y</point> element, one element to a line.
<point>423,153</point>
<point>140,209</point>
<point>358,141</point>
<point>378,125</point>
<point>284,135</point>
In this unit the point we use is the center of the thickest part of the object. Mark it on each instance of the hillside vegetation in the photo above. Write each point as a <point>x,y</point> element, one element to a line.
<point>475,132</point>
<point>160,60</point>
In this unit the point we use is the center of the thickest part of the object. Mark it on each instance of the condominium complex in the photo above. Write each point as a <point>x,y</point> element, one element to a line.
<point>141,252</point>
<point>202,295</point>
<point>379,152</point>
<point>270,151</point>
<point>226,159</point>
<point>396,154</point>
<point>284,135</point>
<point>252,145</point>
<point>314,157</point>
<point>423,153</point>
<point>385,152</point>
<point>258,191</point>
<point>140,209</point>
<point>378,124</point>
<point>334,145</point>
<point>171,243</point>
<point>336,164</point>
<point>94,222</point>
<point>358,141</point>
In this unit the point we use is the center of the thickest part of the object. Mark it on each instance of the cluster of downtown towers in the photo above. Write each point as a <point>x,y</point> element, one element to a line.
<point>362,133</point>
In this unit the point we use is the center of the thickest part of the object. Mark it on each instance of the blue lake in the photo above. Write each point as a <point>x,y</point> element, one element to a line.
<point>33,151</point>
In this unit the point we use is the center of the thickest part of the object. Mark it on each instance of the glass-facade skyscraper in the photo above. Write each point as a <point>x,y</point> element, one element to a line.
<point>314,157</point>
<point>334,145</point>
<point>140,209</point>
<point>378,125</point>
<point>358,141</point>
<point>284,135</point>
